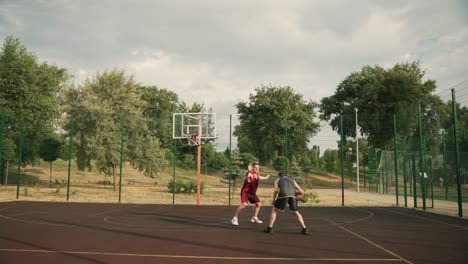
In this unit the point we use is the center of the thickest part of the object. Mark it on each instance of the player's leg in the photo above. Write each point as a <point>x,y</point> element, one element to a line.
<point>294,208</point>
<point>235,218</point>
<point>244,200</point>
<point>278,206</point>
<point>239,209</point>
<point>256,209</point>
<point>300,219</point>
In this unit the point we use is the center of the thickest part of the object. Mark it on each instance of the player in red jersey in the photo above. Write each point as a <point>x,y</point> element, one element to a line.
<point>249,193</point>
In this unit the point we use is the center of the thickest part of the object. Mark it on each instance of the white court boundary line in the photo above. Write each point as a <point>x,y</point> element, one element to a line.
<point>424,218</point>
<point>192,257</point>
<point>372,243</point>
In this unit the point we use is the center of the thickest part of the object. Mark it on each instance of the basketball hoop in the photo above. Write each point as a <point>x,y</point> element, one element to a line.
<point>193,140</point>
<point>194,127</point>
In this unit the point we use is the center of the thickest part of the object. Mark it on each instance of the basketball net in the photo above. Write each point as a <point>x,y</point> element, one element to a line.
<point>193,140</point>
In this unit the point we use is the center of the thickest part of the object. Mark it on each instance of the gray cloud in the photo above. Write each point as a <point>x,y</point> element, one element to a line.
<point>217,52</point>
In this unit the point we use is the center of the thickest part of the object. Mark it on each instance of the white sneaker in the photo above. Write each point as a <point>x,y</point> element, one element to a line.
<point>234,221</point>
<point>256,220</point>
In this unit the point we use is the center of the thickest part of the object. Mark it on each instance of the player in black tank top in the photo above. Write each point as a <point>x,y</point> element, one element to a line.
<point>285,193</point>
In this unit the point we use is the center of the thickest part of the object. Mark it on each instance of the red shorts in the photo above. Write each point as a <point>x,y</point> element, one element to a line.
<point>250,197</point>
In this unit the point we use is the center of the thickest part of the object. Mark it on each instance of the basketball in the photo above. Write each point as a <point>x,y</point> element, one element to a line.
<point>299,196</point>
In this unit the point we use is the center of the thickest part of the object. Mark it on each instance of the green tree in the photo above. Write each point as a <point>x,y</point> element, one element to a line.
<point>220,161</point>
<point>330,158</point>
<point>265,117</point>
<point>378,94</point>
<point>247,158</point>
<point>161,105</point>
<point>9,156</point>
<point>237,171</point>
<point>100,106</point>
<point>50,150</point>
<point>29,89</point>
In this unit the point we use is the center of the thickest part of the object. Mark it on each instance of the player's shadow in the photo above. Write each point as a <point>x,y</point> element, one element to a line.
<point>183,241</point>
<point>188,221</point>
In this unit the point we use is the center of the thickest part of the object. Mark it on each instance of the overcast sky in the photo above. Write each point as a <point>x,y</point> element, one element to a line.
<point>218,52</point>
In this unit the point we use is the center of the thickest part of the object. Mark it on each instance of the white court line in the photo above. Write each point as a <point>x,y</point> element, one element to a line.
<point>115,210</point>
<point>193,257</point>
<point>424,218</point>
<point>373,243</point>
<point>371,214</point>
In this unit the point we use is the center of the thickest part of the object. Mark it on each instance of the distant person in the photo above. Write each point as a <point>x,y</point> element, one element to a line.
<point>441,181</point>
<point>249,193</point>
<point>285,193</point>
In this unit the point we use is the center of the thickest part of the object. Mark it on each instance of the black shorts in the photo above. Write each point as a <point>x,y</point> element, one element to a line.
<point>280,203</point>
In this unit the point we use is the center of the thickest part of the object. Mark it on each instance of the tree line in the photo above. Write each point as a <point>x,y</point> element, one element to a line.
<point>277,125</point>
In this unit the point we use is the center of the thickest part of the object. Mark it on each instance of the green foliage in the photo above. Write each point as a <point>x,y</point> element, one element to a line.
<point>161,105</point>
<point>102,107</point>
<point>181,186</point>
<point>247,158</point>
<point>379,94</point>
<point>265,117</point>
<point>50,148</point>
<point>330,158</point>
<point>310,196</point>
<point>220,162</point>
<point>278,163</point>
<point>188,161</point>
<point>208,154</point>
<point>237,173</point>
<point>28,88</point>
<point>296,170</point>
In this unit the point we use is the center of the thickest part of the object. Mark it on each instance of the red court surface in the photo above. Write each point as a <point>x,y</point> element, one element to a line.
<point>50,232</point>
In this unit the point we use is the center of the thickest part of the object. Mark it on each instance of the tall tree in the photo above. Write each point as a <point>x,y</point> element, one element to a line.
<point>265,118</point>
<point>100,106</point>
<point>50,150</point>
<point>28,88</point>
<point>161,105</point>
<point>378,94</point>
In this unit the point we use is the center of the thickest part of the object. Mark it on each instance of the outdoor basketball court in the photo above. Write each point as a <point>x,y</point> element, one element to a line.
<point>49,232</point>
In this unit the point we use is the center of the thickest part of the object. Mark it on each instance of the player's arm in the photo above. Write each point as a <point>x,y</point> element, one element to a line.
<point>249,176</point>
<point>263,177</point>
<point>298,188</point>
<point>275,192</point>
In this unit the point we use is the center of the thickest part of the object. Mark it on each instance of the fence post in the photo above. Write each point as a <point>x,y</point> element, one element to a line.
<point>457,154</point>
<point>2,137</point>
<point>445,167</point>
<point>173,171</point>
<point>20,157</point>
<point>70,154</point>
<point>286,146</point>
<point>405,176</point>
<point>415,192</point>
<point>395,157</point>
<point>230,157</point>
<point>422,160</point>
<point>342,159</point>
<point>122,134</point>
<point>431,180</point>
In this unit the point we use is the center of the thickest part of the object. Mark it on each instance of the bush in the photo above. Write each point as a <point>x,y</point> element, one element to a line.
<point>309,196</point>
<point>175,186</point>
<point>188,161</point>
<point>278,163</point>
<point>181,186</point>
